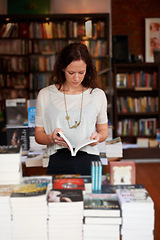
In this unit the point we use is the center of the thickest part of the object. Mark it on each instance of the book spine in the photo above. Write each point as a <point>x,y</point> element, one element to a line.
<point>93,176</point>
<point>96,177</point>
<point>99,177</point>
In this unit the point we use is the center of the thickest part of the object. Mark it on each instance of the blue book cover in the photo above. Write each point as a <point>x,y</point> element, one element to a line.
<point>31,117</point>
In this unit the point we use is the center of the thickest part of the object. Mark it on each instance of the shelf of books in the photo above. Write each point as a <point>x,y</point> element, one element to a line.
<point>136,101</point>
<point>29,47</point>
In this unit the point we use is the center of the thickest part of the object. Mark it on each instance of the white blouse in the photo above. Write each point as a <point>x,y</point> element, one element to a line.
<point>51,114</point>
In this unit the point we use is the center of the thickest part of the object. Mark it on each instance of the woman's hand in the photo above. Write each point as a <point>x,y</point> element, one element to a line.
<point>55,138</point>
<point>95,136</point>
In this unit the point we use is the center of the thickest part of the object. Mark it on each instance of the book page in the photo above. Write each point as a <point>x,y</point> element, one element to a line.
<point>79,146</point>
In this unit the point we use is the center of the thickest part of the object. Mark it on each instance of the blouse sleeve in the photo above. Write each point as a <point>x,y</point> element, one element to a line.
<point>102,108</point>
<point>38,117</point>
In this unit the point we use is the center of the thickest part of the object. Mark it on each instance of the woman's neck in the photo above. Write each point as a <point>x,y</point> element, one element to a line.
<point>71,90</point>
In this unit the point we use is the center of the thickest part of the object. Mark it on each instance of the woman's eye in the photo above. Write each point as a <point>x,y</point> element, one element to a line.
<point>71,73</point>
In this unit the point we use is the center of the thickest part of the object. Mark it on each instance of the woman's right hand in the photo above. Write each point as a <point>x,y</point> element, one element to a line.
<point>55,138</point>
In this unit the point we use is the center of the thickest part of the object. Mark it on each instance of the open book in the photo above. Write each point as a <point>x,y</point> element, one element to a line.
<point>79,146</point>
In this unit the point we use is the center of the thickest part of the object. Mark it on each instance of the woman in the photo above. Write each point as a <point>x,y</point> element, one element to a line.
<point>76,107</point>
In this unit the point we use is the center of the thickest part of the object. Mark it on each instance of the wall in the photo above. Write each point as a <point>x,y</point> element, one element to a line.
<point>80,6</point>
<point>71,6</point>
<point>128,18</point>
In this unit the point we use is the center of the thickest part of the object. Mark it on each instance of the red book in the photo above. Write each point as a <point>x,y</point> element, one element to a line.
<point>69,183</point>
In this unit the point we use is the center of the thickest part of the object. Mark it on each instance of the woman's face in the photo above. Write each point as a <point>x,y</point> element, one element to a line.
<point>75,73</point>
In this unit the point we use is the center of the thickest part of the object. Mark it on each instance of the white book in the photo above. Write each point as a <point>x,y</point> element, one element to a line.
<point>79,146</point>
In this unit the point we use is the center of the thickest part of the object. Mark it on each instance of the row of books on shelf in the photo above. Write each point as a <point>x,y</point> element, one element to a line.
<point>9,93</point>
<point>21,81</point>
<point>96,48</point>
<point>53,29</point>
<point>14,64</point>
<point>14,81</point>
<point>61,206</point>
<point>20,47</point>
<point>47,30</point>
<point>141,127</point>
<point>137,79</point>
<point>46,46</point>
<point>137,104</point>
<point>87,29</point>
<point>39,80</point>
<point>42,63</point>
<point>14,30</point>
<point>16,47</point>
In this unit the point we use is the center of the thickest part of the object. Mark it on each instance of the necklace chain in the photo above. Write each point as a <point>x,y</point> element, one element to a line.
<point>68,117</point>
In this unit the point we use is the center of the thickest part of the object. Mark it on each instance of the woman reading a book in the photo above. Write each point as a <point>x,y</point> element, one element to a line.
<point>74,106</point>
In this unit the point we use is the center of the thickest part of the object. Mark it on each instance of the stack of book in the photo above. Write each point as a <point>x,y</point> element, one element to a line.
<point>114,148</point>
<point>137,214</point>
<point>5,210</point>
<point>102,216</point>
<point>10,164</point>
<point>34,159</point>
<point>65,209</point>
<point>29,210</point>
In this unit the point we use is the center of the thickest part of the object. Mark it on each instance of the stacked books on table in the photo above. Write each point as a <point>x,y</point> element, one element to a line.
<point>137,214</point>
<point>10,164</point>
<point>5,212</point>
<point>65,209</point>
<point>114,148</point>
<point>29,210</point>
<point>102,217</point>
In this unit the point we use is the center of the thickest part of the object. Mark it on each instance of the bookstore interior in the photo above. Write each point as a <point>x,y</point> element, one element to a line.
<point>108,204</point>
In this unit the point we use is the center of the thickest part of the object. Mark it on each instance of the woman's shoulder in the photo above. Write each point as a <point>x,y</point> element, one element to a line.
<point>47,89</point>
<point>98,91</point>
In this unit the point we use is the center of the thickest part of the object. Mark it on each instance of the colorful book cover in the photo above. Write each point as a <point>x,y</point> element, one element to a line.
<point>65,195</point>
<point>29,190</point>
<point>69,183</point>
<point>101,201</point>
<point>31,117</point>
<point>122,172</point>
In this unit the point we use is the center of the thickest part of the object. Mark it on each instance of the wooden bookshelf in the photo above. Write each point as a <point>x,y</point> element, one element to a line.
<point>29,46</point>
<point>136,100</point>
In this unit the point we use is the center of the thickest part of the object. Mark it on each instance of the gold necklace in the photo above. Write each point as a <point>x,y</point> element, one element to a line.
<point>68,117</point>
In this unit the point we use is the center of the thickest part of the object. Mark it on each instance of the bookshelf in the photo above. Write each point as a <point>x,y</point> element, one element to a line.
<point>29,46</point>
<point>136,100</point>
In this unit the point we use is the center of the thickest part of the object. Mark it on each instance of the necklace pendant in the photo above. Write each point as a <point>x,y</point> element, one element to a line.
<point>76,125</point>
<point>67,117</point>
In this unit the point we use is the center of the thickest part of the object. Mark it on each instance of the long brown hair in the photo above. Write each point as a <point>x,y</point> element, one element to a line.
<point>73,52</point>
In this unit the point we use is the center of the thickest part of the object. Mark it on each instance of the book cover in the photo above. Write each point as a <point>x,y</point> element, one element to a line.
<point>9,149</point>
<point>31,117</point>
<point>137,197</point>
<point>18,135</point>
<point>101,204</point>
<point>37,179</point>
<point>122,172</point>
<point>69,183</point>
<point>65,195</point>
<point>108,188</point>
<point>29,190</point>
<point>80,145</point>
<point>15,111</point>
